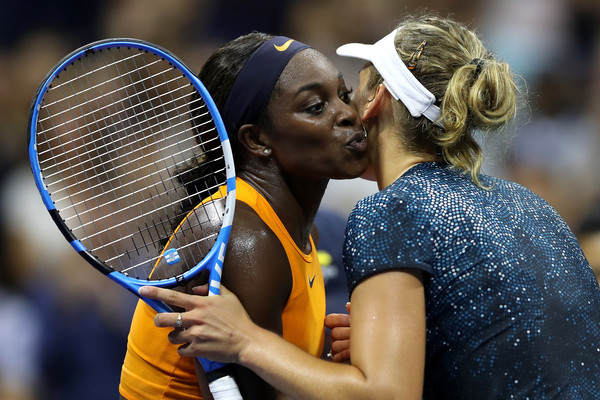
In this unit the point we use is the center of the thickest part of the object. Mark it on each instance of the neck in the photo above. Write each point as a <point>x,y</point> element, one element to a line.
<point>391,158</point>
<point>295,201</point>
<point>393,166</point>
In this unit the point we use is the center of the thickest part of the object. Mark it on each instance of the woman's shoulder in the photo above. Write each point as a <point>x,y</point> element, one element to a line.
<point>250,230</point>
<point>255,256</point>
<point>412,189</point>
<point>433,191</point>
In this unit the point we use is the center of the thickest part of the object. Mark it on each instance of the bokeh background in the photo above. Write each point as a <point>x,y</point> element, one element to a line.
<point>63,327</point>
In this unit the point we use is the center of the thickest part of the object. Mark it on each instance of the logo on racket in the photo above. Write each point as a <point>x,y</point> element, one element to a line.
<point>171,256</point>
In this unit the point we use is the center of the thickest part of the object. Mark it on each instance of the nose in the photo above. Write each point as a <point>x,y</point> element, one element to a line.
<point>348,115</point>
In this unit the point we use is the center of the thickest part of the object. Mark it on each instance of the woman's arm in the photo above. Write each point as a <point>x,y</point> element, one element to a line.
<point>388,341</point>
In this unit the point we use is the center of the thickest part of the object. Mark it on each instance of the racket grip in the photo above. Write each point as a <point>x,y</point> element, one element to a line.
<point>225,388</point>
<point>221,384</point>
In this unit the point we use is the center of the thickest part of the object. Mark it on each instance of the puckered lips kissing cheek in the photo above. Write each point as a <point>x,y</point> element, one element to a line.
<point>358,142</point>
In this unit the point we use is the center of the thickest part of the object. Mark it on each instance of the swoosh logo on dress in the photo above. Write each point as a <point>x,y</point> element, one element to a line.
<point>284,46</point>
<point>311,281</point>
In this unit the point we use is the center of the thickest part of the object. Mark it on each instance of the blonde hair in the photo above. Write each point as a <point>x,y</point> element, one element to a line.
<point>475,91</point>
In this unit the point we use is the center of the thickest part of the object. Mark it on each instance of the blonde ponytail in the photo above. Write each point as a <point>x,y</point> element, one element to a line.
<point>480,95</point>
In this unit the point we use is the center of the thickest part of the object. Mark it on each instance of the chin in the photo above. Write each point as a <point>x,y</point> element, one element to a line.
<point>352,174</point>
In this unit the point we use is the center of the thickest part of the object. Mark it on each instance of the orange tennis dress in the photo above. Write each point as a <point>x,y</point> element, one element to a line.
<point>153,369</point>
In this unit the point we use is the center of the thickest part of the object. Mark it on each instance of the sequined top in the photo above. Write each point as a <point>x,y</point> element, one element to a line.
<point>512,305</point>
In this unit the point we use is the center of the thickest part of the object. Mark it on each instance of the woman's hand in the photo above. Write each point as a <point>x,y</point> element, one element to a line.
<point>213,327</point>
<point>339,324</point>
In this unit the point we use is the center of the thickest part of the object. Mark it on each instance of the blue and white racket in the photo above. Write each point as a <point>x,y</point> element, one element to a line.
<point>123,141</point>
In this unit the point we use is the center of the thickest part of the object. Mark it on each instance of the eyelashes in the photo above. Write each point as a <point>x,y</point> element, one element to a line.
<point>318,107</point>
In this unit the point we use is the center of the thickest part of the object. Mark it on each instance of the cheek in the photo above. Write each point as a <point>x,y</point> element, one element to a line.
<point>303,147</point>
<point>315,158</point>
<point>306,136</point>
<point>317,154</point>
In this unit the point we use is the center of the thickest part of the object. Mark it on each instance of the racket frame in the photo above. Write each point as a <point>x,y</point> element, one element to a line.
<point>214,258</point>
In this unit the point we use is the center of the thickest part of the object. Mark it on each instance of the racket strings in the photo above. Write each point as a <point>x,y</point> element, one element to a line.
<point>86,74</point>
<point>77,149</point>
<point>160,239</point>
<point>83,176</point>
<point>115,145</point>
<point>160,122</point>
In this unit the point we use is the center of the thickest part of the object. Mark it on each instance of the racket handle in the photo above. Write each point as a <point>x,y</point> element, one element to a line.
<point>221,384</point>
<point>225,388</point>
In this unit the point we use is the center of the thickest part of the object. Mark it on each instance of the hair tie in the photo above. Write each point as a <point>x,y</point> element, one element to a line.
<point>479,65</point>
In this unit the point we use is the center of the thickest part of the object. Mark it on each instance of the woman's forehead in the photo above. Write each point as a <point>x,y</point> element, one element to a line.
<point>305,67</point>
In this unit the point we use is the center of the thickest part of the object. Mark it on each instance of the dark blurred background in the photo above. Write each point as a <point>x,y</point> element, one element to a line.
<point>63,327</point>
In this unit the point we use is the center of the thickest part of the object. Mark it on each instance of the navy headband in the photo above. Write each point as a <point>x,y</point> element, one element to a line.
<point>254,83</point>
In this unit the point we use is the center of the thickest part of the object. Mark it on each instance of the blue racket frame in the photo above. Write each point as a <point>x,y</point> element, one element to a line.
<point>213,261</point>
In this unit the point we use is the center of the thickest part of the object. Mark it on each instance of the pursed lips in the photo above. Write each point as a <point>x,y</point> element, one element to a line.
<point>358,142</point>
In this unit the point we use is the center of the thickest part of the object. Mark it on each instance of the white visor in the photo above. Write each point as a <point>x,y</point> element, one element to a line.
<point>397,78</point>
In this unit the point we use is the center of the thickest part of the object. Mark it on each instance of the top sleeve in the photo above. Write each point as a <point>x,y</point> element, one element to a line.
<point>386,232</point>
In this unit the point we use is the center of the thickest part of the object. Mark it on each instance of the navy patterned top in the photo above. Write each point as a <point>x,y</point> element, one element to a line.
<point>513,307</point>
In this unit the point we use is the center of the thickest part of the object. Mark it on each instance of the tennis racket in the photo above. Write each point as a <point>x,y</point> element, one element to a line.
<point>133,163</point>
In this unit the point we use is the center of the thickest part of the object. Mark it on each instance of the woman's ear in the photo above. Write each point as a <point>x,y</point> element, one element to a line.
<point>249,136</point>
<point>376,105</point>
